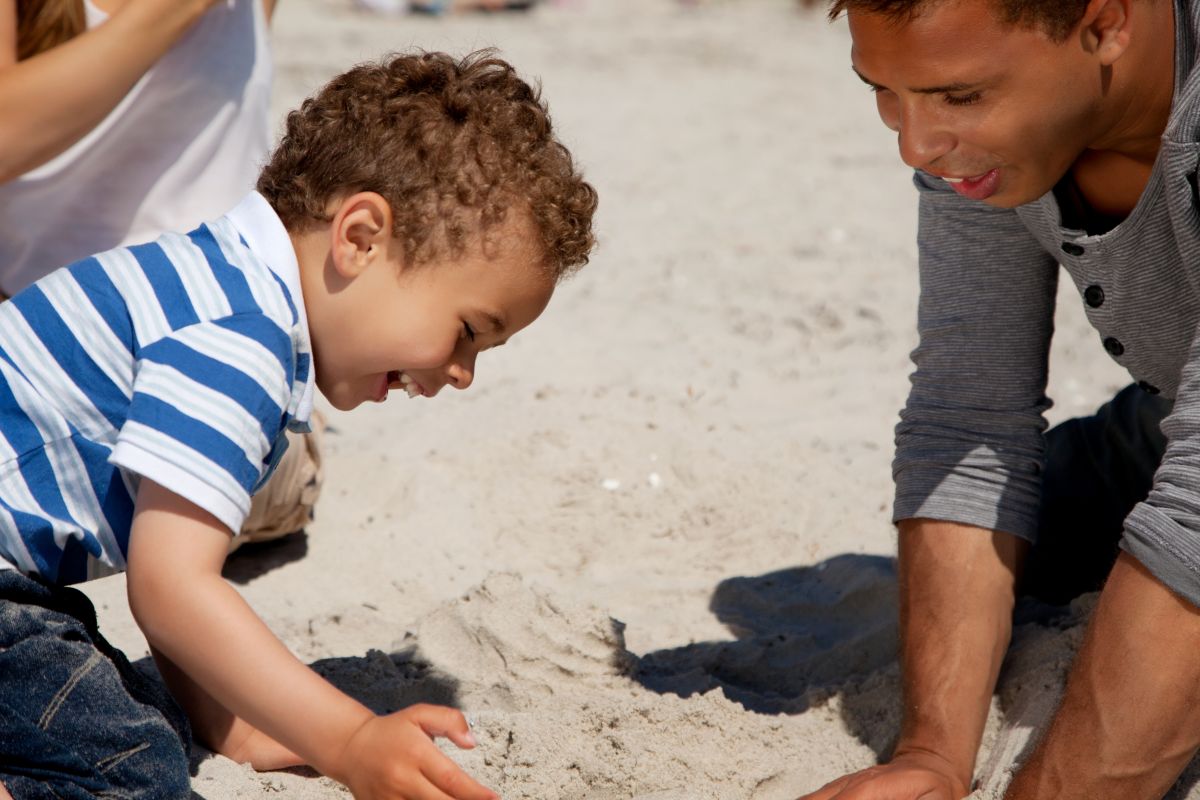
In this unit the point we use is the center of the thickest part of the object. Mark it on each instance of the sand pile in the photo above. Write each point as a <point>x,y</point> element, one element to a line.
<point>563,710</point>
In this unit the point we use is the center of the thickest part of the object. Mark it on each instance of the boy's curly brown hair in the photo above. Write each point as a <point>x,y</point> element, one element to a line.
<point>453,145</point>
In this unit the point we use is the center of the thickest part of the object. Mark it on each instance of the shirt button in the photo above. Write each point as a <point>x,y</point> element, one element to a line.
<point>1147,388</point>
<point>1094,296</point>
<point>1072,249</point>
<point>1114,346</point>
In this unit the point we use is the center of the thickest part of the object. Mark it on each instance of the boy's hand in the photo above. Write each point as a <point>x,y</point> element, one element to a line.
<point>394,757</point>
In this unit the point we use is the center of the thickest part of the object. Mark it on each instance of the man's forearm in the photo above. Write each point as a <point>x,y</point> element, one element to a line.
<point>1130,718</point>
<point>957,588</point>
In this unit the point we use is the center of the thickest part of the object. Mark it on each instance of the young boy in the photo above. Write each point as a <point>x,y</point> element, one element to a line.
<point>416,212</point>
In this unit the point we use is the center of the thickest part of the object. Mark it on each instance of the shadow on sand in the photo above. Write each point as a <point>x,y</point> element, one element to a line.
<point>803,634</point>
<point>255,559</point>
<point>382,682</point>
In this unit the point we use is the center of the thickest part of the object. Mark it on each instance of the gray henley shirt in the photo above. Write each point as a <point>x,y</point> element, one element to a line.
<point>970,440</point>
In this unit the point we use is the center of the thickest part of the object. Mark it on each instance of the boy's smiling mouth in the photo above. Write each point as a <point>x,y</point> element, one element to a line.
<point>396,376</point>
<point>412,387</point>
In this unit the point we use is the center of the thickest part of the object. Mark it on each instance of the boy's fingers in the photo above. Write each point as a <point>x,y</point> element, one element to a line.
<point>442,721</point>
<point>447,777</point>
<point>426,791</point>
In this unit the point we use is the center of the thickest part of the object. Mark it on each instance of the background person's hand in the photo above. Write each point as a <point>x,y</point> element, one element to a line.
<point>908,776</point>
<point>394,757</point>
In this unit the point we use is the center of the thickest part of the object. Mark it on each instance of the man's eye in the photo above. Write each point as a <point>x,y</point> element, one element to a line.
<point>962,99</point>
<point>468,331</point>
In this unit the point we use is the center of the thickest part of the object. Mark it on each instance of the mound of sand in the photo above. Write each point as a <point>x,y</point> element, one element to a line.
<point>563,710</point>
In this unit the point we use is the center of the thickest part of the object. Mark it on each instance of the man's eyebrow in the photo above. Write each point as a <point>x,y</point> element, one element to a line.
<point>949,88</point>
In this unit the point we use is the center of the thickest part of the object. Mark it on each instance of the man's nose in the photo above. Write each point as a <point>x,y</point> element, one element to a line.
<point>921,139</point>
<point>460,372</point>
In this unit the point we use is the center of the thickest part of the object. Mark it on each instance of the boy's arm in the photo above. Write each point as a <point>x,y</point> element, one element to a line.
<point>201,624</point>
<point>52,100</point>
<point>219,730</point>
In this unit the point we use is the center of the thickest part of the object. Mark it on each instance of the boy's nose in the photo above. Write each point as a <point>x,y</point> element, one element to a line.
<point>461,372</point>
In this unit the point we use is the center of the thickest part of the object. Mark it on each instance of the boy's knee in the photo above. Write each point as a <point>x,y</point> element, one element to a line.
<point>80,730</point>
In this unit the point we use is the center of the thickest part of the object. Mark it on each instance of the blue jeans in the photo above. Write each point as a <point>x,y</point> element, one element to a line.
<point>76,719</point>
<point>1097,469</point>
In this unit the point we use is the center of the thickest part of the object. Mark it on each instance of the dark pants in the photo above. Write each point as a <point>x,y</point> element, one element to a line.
<point>76,719</point>
<point>1097,469</point>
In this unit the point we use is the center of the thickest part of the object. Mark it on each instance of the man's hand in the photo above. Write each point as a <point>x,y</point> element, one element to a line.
<point>908,776</point>
<point>394,757</point>
<point>956,599</point>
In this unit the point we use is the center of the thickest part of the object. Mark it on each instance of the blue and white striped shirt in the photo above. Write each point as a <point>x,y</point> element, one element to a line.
<point>182,360</point>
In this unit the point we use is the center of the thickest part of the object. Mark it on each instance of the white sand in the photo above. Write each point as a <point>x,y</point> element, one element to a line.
<point>729,367</point>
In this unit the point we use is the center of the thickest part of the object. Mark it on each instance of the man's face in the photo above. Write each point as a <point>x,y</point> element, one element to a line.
<point>1000,111</point>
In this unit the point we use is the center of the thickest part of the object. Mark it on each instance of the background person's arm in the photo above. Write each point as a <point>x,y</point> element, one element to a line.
<point>1129,721</point>
<point>957,589</point>
<point>52,100</point>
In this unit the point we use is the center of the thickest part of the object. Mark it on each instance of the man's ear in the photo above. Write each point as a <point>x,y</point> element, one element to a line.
<point>1106,29</point>
<point>361,230</point>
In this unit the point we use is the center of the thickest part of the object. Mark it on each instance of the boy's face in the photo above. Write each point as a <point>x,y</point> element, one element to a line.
<point>421,328</point>
<point>1005,109</point>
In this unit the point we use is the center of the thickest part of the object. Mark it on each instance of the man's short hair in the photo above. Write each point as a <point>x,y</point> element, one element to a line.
<point>1055,18</point>
<point>454,146</point>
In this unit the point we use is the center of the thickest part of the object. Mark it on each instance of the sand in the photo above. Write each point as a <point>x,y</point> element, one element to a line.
<point>649,552</point>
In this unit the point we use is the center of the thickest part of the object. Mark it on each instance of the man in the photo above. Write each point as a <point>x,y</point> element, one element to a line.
<point>1046,132</point>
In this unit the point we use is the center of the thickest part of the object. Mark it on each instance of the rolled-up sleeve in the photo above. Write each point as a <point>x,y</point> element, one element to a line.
<point>970,439</point>
<point>1164,531</point>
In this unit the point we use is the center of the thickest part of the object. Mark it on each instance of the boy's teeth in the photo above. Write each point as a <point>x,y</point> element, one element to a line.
<point>404,379</point>
<point>953,180</point>
<point>412,389</point>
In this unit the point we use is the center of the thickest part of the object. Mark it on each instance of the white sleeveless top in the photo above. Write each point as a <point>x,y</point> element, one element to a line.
<point>184,146</point>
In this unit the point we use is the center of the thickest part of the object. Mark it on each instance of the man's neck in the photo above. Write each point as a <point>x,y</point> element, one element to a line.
<point>1109,177</point>
<point>1141,86</point>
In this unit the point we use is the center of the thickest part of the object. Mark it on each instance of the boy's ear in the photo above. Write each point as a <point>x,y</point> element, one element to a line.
<point>360,232</point>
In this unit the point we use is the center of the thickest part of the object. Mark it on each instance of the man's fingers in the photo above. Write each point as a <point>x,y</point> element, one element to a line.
<point>829,790</point>
<point>443,721</point>
<point>447,777</point>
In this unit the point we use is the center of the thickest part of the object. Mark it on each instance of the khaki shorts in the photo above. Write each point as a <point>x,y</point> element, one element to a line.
<point>285,504</point>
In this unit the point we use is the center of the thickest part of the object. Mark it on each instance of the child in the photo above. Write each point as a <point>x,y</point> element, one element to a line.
<point>416,212</point>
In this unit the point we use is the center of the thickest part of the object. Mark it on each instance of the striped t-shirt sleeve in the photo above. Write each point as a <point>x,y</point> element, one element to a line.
<point>208,402</point>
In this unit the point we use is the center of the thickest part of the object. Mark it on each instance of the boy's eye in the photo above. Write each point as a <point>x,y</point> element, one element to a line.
<point>468,331</point>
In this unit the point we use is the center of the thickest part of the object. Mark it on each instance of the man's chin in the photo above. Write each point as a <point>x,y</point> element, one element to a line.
<point>1014,197</point>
